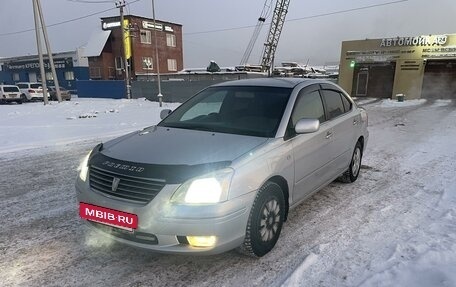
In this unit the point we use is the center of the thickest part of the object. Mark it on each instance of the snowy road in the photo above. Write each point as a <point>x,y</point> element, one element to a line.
<point>395,226</point>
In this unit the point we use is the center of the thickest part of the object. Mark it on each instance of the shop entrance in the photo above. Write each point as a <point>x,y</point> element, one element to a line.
<point>439,80</point>
<point>373,80</point>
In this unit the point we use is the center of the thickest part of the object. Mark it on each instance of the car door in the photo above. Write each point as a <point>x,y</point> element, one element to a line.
<point>343,121</point>
<point>312,151</point>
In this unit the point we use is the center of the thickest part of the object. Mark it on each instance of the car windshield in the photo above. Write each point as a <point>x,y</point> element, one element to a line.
<point>11,89</point>
<point>254,111</point>
<point>35,86</point>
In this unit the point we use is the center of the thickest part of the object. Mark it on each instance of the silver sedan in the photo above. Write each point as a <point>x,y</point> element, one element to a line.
<point>223,170</point>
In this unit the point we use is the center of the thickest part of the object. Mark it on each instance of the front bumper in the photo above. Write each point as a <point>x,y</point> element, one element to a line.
<point>162,225</point>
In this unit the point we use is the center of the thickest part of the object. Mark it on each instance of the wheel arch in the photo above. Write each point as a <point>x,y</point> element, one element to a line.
<point>361,141</point>
<point>282,182</point>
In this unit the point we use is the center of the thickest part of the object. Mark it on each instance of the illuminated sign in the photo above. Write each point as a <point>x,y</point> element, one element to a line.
<point>110,25</point>
<point>169,29</point>
<point>150,25</point>
<point>431,40</point>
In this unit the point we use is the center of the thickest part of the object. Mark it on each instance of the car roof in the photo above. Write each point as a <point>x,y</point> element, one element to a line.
<point>271,82</point>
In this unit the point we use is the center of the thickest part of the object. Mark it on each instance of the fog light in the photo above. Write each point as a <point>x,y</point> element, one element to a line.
<point>202,241</point>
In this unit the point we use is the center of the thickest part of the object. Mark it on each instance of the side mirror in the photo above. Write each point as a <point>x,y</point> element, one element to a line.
<point>306,126</point>
<point>164,113</point>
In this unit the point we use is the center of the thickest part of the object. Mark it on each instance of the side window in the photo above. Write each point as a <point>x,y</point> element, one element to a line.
<point>309,106</point>
<point>22,86</point>
<point>346,102</point>
<point>334,104</point>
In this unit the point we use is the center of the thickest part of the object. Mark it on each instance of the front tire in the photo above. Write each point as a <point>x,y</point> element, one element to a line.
<point>351,174</point>
<point>265,221</point>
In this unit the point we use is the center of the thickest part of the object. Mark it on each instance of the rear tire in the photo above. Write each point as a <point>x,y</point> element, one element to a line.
<point>265,221</point>
<point>23,98</point>
<point>351,174</point>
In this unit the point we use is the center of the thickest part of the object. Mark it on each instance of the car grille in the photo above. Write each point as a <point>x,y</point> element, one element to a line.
<point>129,188</point>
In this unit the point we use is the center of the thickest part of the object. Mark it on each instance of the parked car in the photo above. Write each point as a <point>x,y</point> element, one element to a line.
<point>64,93</point>
<point>223,169</point>
<point>31,91</point>
<point>10,93</point>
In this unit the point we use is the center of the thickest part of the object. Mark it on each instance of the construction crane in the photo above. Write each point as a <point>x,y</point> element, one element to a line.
<point>256,32</point>
<point>270,46</point>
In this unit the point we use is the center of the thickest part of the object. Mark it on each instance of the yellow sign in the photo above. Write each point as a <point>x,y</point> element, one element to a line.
<point>127,40</point>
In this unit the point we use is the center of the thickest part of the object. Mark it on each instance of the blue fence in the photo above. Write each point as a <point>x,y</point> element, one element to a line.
<point>101,89</point>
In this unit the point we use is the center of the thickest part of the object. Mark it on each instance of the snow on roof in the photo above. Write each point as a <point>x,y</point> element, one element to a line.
<point>96,43</point>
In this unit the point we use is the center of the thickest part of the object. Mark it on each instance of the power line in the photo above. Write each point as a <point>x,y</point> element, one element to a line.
<point>209,31</point>
<point>91,2</point>
<point>65,22</point>
<point>302,18</point>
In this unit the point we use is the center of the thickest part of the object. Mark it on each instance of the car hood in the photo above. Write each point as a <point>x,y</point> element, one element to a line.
<point>173,146</point>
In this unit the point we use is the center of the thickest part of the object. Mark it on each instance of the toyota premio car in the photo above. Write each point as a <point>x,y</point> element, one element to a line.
<point>223,170</point>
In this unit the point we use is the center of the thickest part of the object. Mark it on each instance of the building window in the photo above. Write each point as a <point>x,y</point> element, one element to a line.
<point>69,75</point>
<point>172,65</point>
<point>147,63</point>
<point>170,40</point>
<point>16,77</point>
<point>49,76</point>
<point>119,63</point>
<point>145,37</point>
<point>95,72</point>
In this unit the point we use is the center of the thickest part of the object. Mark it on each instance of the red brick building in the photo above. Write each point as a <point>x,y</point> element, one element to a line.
<point>105,49</point>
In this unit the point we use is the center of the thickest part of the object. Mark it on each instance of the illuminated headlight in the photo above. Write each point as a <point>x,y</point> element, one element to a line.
<point>84,167</point>
<point>210,188</point>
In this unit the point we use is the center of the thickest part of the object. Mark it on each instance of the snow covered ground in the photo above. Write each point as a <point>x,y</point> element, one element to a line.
<point>395,226</point>
<point>35,125</point>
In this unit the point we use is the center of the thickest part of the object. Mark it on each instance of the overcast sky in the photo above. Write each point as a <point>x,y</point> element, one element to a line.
<point>316,40</point>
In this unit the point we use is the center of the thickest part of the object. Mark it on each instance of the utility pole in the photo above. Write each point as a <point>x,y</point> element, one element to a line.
<point>160,96</point>
<point>121,4</point>
<point>40,52</point>
<point>51,58</point>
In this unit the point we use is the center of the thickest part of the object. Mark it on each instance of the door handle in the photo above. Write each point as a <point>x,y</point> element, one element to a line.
<point>355,122</point>
<point>328,135</point>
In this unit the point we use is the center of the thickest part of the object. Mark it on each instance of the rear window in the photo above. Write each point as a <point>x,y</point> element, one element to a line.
<point>11,89</point>
<point>35,86</point>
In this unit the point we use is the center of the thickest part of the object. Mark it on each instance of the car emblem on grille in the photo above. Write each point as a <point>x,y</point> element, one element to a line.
<point>115,183</point>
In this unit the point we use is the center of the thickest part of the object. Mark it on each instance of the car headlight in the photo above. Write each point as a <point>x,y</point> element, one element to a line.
<point>84,167</point>
<point>206,189</point>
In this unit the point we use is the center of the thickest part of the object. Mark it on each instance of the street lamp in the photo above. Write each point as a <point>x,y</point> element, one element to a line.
<point>160,96</point>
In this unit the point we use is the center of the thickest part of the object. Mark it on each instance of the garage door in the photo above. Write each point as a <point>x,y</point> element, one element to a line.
<point>439,80</point>
<point>373,80</point>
